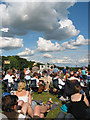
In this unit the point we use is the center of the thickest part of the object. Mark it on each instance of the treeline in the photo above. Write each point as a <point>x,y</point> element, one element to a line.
<point>21,63</point>
<point>16,62</point>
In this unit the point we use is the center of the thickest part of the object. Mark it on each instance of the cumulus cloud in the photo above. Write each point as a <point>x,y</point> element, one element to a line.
<point>47,46</point>
<point>66,30</point>
<point>38,16</point>
<point>84,60</point>
<point>81,41</point>
<point>68,45</point>
<point>8,43</point>
<point>27,52</point>
<point>70,61</point>
<point>46,56</point>
<point>60,61</point>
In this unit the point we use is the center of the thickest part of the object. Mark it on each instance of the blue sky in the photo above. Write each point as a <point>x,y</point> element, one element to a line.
<point>32,31</point>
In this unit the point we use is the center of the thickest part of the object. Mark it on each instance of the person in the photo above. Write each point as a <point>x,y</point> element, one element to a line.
<point>9,108</point>
<point>72,77</point>
<point>22,94</point>
<point>64,71</point>
<point>79,107</point>
<point>9,77</point>
<point>10,105</point>
<point>25,101</point>
<point>55,70</point>
<point>36,85</point>
<point>61,84</point>
<point>69,84</point>
<point>35,68</point>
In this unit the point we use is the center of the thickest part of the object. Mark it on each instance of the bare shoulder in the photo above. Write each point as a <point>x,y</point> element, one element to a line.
<point>76,97</point>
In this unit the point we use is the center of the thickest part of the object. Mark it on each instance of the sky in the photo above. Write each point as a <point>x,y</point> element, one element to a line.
<point>46,32</point>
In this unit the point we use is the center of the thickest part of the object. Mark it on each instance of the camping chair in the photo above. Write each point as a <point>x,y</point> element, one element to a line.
<point>56,84</point>
<point>33,85</point>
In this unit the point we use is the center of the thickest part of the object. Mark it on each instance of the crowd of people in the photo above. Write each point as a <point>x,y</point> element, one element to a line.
<point>72,86</point>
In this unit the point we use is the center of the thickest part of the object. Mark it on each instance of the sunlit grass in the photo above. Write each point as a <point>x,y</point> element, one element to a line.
<point>45,97</point>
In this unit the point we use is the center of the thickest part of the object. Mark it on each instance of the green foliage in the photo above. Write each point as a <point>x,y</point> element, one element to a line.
<point>21,63</point>
<point>16,62</point>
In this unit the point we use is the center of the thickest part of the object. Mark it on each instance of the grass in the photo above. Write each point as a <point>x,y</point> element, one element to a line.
<point>45,97</point>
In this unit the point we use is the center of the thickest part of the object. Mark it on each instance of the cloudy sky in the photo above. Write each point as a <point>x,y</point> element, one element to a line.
<point>54,32</point>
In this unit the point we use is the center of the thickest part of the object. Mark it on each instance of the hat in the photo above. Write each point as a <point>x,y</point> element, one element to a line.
<point>34,64</point>
<point>83,68</point>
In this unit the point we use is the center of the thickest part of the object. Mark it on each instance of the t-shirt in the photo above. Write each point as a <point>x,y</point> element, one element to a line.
<point>83,72</point>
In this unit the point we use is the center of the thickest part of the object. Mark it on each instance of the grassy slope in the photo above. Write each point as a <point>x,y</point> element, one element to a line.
<point>45,97</point>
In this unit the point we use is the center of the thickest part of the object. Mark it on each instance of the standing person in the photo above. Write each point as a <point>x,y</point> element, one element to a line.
<point>55,70</point>
<point>64,71</point>
<point>84,76</point>
<point>51,69</point>
<point>35,68</point>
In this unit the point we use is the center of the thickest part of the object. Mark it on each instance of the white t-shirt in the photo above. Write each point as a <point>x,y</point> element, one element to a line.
<point>10,80</point>
<point>37,81</point>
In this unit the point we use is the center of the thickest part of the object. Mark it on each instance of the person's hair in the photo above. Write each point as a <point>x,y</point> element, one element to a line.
<point>77,89</point>
<point>35,74</point>
<point>54,66</point>
<point>22,75</point>
<point>51,67</point>
<point>71,73</point>
<point>55,74</point>
<point>8,102</point>
<point>9,71</point>
<point>21,86</point>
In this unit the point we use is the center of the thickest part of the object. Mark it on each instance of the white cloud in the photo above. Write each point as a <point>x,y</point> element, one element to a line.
<point>7,43</point>
<point>47,46</point>
<point>81,41</point>
<point>4,29</point>
<point>27,52</point>
<point>46,56</point>
<point>66,30</point>
<point>60,61</point>
<point>84,60</point>
<point>68,45</point>
<point>40,17</point>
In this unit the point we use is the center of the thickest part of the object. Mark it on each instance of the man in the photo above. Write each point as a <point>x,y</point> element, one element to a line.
<point>9,77</point>
<point>64,71</point>
<point>55,70</point>
<point>35,68</point>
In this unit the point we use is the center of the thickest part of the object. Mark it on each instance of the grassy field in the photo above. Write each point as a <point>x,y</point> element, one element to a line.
<point>45,97</point>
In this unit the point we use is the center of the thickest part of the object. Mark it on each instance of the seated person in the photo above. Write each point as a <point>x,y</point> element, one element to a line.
<point>80,107</point>
<point>10,104</point>
<point>69,84</point>
<point>35,77</point>
<point>24,100</point>
<point>35,83</point>
<point>60,84</point>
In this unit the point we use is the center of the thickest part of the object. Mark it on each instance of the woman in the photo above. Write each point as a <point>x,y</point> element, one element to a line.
<point>79,104</point>
<point>9,107</point>
<point>24,100</point>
